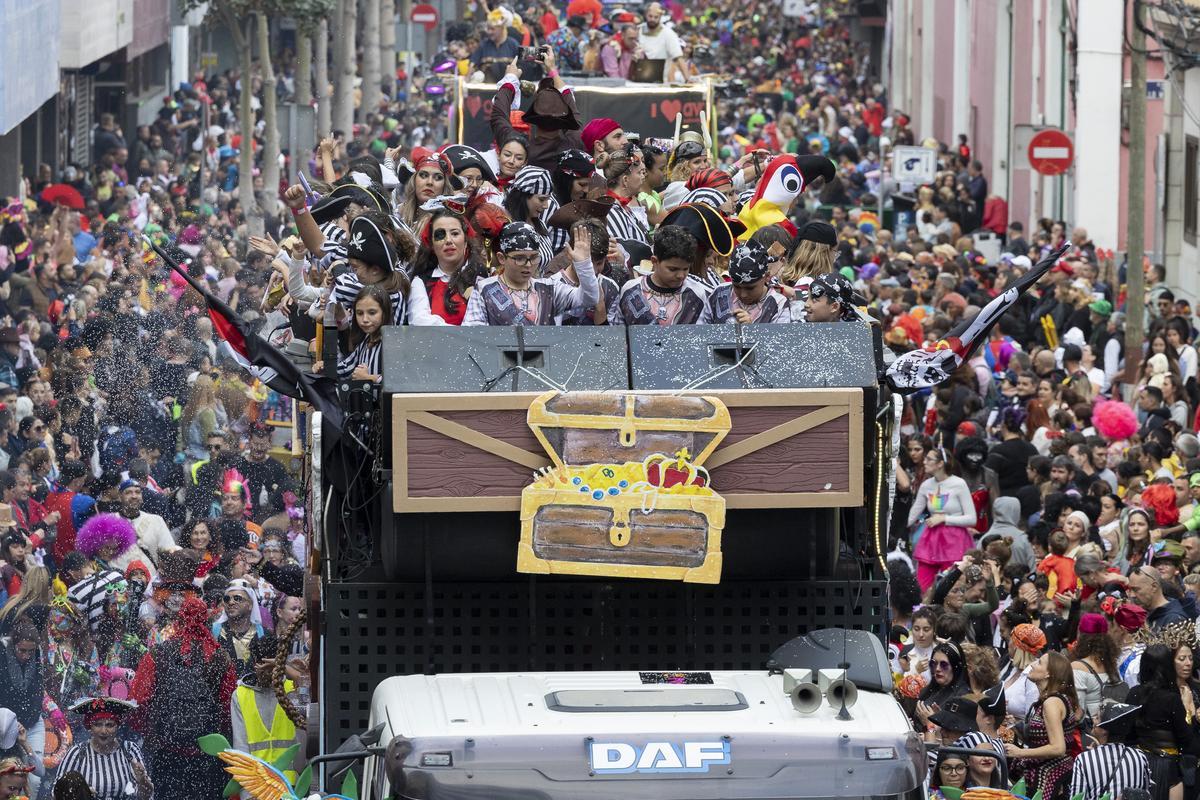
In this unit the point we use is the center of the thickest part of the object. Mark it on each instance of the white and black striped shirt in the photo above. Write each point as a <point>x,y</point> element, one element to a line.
<point>91,594</point>
<point>1110,769</point>
<point>335,241</point>
<point>559,237</point>
<point>108,774</point>
<point>346,288</point>
<point>623,224</point>
<point>364,353</point>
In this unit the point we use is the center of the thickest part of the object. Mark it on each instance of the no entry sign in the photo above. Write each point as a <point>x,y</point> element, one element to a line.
<point>424,14</point>
<point>1051,152</point>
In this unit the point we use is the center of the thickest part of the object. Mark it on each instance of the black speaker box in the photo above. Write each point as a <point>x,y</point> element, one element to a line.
<point>799,356</point>
<point>486,359</point>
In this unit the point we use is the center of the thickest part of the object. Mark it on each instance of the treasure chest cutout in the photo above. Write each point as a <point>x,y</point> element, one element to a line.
<point>626,495</point>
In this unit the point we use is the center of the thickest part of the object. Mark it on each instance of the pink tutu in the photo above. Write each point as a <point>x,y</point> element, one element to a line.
<point>939,547</point>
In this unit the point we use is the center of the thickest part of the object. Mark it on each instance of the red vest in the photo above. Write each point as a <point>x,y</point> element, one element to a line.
<point>436,289</point>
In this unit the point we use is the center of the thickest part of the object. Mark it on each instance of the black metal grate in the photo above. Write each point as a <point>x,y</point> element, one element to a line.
<point>375,630</point>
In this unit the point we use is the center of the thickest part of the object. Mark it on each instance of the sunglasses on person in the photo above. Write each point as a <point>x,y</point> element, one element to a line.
<point>235,598</point>
<point>939,664</point>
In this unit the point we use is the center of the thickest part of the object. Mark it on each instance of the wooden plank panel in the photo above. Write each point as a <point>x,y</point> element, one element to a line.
<point>473,438</point>
<point>751,420</point>
<point>440,466</point>
<point>814,420</point>
<point>802,463</point>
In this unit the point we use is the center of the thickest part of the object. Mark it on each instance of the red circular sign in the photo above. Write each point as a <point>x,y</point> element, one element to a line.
<point>424,14</point>
<point>1051,152</point>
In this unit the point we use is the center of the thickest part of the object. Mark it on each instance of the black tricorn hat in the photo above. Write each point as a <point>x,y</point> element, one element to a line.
<point>333,205</point>
<point>709,226</point>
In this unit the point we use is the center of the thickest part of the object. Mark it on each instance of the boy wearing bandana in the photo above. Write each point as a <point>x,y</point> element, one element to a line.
<point>515,297</point>
<point>831,298</point>
<point>669,295</point>
<point>748,299</point>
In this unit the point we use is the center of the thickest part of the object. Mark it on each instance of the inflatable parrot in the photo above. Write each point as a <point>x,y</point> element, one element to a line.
<point>785,179</point>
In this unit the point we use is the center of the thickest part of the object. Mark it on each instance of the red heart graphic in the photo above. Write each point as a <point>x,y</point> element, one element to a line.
<point>670,108</point>
<point>474,103</point>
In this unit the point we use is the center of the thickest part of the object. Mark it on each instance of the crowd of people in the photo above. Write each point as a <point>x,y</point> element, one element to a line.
<point>1045,530</point>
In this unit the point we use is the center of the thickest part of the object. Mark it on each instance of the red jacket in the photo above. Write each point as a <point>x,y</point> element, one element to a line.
<point>65,540</point>
<point>995,215</point>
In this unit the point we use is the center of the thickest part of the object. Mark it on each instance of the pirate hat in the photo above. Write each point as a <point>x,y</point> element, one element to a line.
<point>109,706</point>
<point>333,205</point>
<point>577,210</point>
<point>711,229</point>
<point>368,243</point>
<point>463,156</point>
<point>550,110</point>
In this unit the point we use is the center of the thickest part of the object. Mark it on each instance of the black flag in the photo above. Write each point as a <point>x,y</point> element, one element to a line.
<point>926,368</point>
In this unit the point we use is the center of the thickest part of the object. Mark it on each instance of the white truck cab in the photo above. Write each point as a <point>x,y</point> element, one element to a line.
<point>777,733</point>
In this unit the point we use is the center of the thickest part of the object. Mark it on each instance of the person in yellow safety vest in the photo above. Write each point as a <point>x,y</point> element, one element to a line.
<point>260,727</point>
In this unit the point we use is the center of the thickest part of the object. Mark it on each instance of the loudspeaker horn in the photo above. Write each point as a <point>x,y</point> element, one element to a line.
<point>837,688</point>
<point>798,685</point>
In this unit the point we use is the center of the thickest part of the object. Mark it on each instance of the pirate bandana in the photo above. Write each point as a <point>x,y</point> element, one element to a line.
<point>577,164</point>
<point>532,180</point>
<point>709,197</point>
<point>517,236</point>
<point>835,286</point>
<point>748,264</point>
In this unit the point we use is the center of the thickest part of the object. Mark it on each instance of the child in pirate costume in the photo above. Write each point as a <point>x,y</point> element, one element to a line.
<point>748,299</point>
<point>374,262</point>
<point>515,297</point>
<point>608,289</point>
<point>569,182</point>
<point>715,236</point>
<point>831,298</point>
<point>669,295</point>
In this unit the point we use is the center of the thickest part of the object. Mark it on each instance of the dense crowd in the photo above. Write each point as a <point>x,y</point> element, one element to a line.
<point>1046,521</point>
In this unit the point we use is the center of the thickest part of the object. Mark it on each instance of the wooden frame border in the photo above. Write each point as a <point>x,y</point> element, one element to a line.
<point>418,408</point>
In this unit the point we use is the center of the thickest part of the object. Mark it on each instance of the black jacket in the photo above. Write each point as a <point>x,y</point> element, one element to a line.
<point>25,702</point>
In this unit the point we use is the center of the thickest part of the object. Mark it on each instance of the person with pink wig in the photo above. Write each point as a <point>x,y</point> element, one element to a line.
<point>111,542</point>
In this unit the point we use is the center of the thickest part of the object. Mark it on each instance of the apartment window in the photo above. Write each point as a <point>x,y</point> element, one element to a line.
<point>1191,187</point>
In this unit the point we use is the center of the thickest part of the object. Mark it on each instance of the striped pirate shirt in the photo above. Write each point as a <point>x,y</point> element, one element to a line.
<point>91,593</point>
<point>365,353</point>
<point>335,241</point>
<point>346,288</point>
<point>108,774</point>
<point>559,237</point>
<point>623,224</point>
<point>1110,769</point>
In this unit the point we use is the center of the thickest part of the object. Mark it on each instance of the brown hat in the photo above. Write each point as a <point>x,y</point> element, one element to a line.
<point>576,210</point>
<point>178,566</point>
<point>550,110</point>
<point>711,229</point>
<point>7,520</point>
<point>9,336</point>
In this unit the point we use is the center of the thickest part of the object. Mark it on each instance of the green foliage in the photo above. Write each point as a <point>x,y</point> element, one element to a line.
<point>213,743</point>
<point>303,782</point>
<point>350,786</point>
<point>307,13</point>
<point>284,762</point>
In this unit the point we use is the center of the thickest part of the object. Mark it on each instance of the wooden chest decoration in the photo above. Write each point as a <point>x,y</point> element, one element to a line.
<point>626,494</point>
<point>787,448</point>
